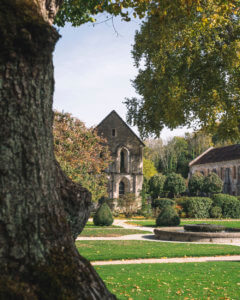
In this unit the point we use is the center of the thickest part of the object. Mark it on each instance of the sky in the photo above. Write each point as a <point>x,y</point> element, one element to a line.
<point>93,71</point>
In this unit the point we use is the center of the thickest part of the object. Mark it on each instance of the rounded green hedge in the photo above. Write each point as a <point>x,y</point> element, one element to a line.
<point>198,207</point>
<point>195,184</point>
<point>162,202</point>
<point>230,205</point>
<point>216,212</point>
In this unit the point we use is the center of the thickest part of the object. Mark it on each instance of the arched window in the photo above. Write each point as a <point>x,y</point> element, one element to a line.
<point>122,162</point>
<point>121,188</point>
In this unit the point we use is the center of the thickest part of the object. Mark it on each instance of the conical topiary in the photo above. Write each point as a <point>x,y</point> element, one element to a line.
<point>168,217</point>
<point>103,216</point>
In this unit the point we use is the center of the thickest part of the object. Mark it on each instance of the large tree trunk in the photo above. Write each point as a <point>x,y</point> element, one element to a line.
<point>41,211</point>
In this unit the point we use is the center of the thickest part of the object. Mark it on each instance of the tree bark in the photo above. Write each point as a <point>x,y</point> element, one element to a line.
<point>41,210</point>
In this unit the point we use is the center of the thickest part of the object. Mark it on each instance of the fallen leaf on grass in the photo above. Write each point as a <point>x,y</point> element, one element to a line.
<point>179,292</point>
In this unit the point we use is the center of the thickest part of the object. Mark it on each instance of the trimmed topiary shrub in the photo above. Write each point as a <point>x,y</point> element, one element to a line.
<point>156,184</point>
<point>103,216</point>
<point>195,184</point>
<point>212,184</point>
<point>175,184</point>
<point>162,202</point>
<point>216,212</point>
<point>168,217</point>
<point>230,205</point>
<point>198,207</point>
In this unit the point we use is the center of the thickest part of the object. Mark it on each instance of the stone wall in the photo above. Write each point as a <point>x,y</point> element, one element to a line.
<point>228,171</point>
<point>127,152</point>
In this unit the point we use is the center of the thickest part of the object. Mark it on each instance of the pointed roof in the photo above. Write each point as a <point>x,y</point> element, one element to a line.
<point>213,155</point>
<point>113,112</point>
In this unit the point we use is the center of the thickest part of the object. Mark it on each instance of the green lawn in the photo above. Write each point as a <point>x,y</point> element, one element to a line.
<point>212,280</point>
<point>109,232</point>
<point>112,250</point>
<point>152,222</point>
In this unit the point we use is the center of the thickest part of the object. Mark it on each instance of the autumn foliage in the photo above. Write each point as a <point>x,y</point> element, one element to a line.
<point>82,154</point>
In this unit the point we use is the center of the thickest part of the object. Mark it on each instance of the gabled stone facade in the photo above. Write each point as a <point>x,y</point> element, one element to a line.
<point>126,170</point>
<point>225,162</point>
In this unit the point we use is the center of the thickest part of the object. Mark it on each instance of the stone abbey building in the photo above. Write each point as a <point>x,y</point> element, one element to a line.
<point>126,170</point>
<point>225,162</point>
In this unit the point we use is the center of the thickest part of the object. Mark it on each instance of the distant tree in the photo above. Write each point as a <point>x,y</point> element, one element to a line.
<point>81,153</point>
<point>195,184</point>
<point>154,150</point>
<point>180,149</point>
<point>149,169</point>
<point>174,185</point>
<point>212,184</point>
<point>175,155</point>
<point>156,185</point>
<point>198,142</point>
<point>172,157</point>
<point>145,194</point>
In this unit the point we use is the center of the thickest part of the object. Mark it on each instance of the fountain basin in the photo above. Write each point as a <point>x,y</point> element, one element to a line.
<point>178,234</point>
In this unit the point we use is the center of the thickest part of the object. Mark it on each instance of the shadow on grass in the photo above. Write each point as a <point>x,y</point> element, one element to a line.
<point>150,237</point>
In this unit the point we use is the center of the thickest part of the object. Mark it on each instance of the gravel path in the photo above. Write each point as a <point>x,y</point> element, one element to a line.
<point>123,223</point>
<point>151,237</point>
<point>167,260</point>
<point>137,237</point>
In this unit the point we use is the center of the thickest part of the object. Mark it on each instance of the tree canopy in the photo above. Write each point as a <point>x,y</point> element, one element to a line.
<point>148,168</point>
<point>82,154</point>
<point>174,184</point>
<point>156,185</point>
<point>188,69</point>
